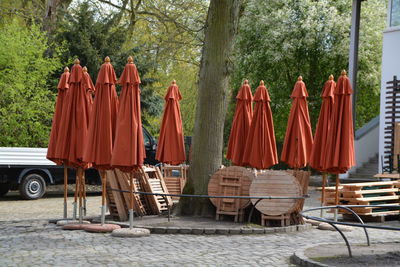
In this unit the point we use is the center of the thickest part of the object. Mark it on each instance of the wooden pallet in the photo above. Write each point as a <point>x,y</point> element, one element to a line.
<point>175,184</point>
<point>374,193</point>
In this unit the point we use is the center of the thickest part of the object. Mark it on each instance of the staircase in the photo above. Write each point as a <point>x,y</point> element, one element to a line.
<point>367,171</point>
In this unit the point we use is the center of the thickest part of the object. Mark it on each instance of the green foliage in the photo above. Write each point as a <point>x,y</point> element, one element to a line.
<point>91,37</point>
<point>26,103</point>
<point>280,40</point>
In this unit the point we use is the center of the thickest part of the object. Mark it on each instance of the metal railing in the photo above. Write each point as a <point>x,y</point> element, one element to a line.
<point>164,196</point>
<point>361,224</point>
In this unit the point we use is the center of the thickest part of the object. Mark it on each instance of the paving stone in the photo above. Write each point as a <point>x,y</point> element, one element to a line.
<point>222,231</point>
<point>172,230</point>
<point>209,231</point>
<point>160,230</point>
<point>246,231</point>
<point>269,230</point>
<point>258,231</point>
<point>234,231</point>
<point>185,230</point>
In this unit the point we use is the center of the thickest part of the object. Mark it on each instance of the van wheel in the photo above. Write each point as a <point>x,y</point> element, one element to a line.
<point>4,188</point>
<point>33,186</point>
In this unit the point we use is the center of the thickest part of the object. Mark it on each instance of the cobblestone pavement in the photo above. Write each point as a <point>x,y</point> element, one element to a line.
<point>37,243</point>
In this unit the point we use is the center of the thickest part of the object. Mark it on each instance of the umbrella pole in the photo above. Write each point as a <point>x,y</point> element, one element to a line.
<point>75,196</point>
<point>80,171</point>
<point>323,193</point>
<point>131,201</point>
<point>65,191</point>
<point>103,197</point>
<point>84,192</point>
<point>337,195</point>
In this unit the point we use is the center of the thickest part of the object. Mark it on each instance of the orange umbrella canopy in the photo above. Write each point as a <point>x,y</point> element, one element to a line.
<point>298,139</point>
<point>103,119</point>
<point>260,150</point>
<point>240,125</point>
<point>128,152</point>
<point>73,131</point>
<point>318,153</point>
<point>340,141</point>
<point>62,91</point>
<point>171,148</point>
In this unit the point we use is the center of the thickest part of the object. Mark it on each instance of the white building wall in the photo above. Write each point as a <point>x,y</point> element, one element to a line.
<point>390,68</point>
<point>366,148</point>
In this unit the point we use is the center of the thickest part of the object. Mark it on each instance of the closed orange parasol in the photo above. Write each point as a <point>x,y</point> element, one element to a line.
<point>62,91</point>
<point>128,153</point>
<point>340,141</point>
<point>73,129</point>
<point>240,125</point>
<point>171,148</point>
<point>318,153</point>
<point>51,149</point>
<point>298,139</point>
<point>260,150</point>
<point>103,119</point>
<point>102,125</point>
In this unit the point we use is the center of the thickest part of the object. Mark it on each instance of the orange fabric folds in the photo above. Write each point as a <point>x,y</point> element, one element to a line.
<point>62,91</point>
<point>260,150</point>
<point>88,86</point>
<point>298,139</point>
<point>318,153</point>
<point>240,125</point>
<point>171,148</point>
<point>73,129</point>
<point>340,145</point>
<point>128,152</point>
<point>103,119</point>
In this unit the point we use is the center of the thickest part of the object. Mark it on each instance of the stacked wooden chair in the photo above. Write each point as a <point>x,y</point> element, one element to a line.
<point>146,179</point>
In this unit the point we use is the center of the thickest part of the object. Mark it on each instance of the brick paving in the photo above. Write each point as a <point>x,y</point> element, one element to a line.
<point>34,241</point>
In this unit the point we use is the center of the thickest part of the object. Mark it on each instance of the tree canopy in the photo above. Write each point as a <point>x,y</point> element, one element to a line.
<point>281,40</point>
<point>277,41</point>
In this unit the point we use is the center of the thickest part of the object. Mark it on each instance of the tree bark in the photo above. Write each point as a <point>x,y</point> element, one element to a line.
<point>215,69</point>
<point>52,9</point>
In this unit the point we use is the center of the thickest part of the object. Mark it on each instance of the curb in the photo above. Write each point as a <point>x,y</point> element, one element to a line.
<point>221,231</point>
<point>300,259</point>
<point>214,231</point>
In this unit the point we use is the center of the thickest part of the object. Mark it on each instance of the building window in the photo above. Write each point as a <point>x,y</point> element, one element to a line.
<point>395,13</point>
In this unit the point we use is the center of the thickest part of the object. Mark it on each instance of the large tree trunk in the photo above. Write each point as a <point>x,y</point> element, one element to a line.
<point>52,9</point>
<point>216,65</point>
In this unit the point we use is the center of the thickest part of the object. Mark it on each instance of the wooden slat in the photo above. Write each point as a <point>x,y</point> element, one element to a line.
<point>262,186</point>
<point>116,196</point>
